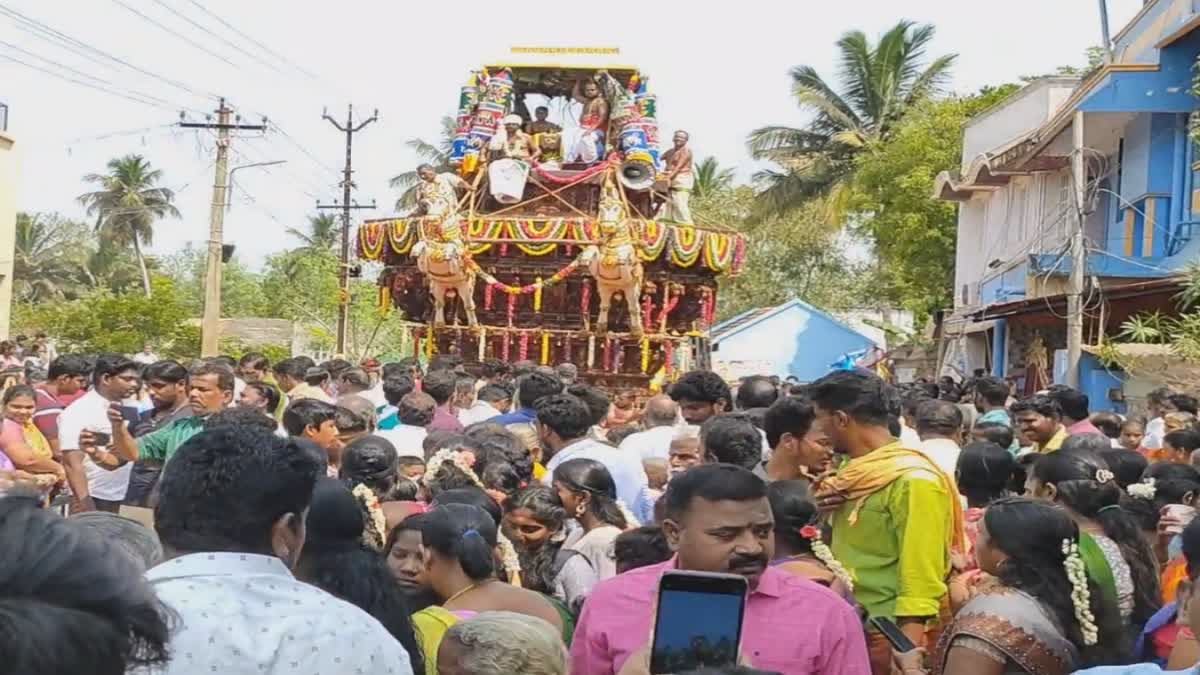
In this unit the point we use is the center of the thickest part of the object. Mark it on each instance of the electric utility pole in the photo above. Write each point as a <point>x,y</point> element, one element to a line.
<point>347,184</point>
<point>210,324</point>
<point>1078,255</point>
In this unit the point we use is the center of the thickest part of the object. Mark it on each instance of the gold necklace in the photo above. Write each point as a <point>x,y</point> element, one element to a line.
<point>461,593</point>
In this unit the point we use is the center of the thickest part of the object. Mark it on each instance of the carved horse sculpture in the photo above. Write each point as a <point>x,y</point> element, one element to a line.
<point>443,258</point>
<point>614,261</point>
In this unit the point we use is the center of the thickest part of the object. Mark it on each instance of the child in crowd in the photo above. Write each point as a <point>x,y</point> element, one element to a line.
<point>641,547</point>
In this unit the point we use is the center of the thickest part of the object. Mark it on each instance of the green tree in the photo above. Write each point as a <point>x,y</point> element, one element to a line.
<point>711,177</point>
<point>324,232</point>
<point>126,205</point>
<point>242,292</point>
<point>49,258</point>
<point>878,84</point>
<point>436,154</point>
<point>893,205</point>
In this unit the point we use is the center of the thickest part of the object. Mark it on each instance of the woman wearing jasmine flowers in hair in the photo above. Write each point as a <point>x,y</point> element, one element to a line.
<point>1042,617</point>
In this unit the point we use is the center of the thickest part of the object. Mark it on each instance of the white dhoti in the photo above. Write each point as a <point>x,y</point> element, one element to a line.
<point>588,148</point>
<point>676,208</point>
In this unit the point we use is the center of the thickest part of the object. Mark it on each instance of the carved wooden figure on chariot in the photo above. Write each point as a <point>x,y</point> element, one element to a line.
<point>441,254</point>
<point>613,261</point>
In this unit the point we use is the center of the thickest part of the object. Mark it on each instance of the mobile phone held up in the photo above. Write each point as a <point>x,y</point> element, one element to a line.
<point>894,635</point>
<point>698,622</point>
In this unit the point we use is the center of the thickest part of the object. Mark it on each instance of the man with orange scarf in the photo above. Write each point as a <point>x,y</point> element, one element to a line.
<point>896,516</point>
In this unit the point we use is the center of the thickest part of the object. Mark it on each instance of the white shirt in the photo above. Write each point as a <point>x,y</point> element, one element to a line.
<point>1155,430</point>
<point>652,443</point>
<point>944,452</point>
<point>143,357</point>
<point>909,437</point>
<point>245,614</point>
<point>90,412</point>
<point>480,411</point>
<point>625,467</point>
<point>375,395</point>
<point>409,440</point>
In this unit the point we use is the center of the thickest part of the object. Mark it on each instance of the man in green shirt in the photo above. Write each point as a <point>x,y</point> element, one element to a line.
<point>210,390</point>
<point>892,510</point>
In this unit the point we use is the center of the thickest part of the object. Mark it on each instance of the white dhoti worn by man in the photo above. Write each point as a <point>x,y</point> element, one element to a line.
<point>676,209</point>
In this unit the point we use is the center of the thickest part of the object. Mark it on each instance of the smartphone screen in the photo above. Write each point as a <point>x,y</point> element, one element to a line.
<point>699,621</point>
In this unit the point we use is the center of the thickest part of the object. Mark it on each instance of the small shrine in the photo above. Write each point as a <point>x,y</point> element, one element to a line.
<point>560,233</point>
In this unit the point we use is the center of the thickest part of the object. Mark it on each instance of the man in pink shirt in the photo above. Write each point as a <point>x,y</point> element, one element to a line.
<point>718,520</point>
<point>1074,404</point>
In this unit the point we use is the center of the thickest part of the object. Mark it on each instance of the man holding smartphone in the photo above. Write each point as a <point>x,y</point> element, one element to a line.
<point>98,479</point>
<point>718,520</point>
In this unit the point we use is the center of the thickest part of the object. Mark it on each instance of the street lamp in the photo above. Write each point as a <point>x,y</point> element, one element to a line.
<point>229,197</point>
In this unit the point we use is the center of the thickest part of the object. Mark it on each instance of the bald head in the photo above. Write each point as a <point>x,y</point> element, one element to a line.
<point>661,411</point>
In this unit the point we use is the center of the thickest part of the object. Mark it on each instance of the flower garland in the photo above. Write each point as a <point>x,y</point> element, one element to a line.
<point>371,237</point>
<point>1081,596</point>
<point>718,252</point>
<point>374,533</point>
<point>1143,490</point>
<point>536,287</point>
<point>523,347</point>
<point>813,534</point>
<point>508,554</point>
<point>654,240</point>
<point>686,245</point>
<point>401,236</point>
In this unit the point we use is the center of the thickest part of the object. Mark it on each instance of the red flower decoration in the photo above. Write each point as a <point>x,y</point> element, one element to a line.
<point>810,532</point>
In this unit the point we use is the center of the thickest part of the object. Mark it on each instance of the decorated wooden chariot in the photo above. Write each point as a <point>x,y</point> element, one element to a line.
<point>554,242</point>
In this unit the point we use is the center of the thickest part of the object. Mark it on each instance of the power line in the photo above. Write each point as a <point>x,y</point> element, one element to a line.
<point>85,84</point>
<point>254,42</point>
<point>177,34</point>
<point>222,39</point>
<point>80,73</point>
<point>46,33</point>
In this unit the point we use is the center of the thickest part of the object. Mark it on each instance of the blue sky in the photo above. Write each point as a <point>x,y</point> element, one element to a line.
<point>719,69</point>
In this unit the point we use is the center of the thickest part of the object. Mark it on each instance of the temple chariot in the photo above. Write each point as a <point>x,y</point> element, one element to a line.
<point>558,233</point>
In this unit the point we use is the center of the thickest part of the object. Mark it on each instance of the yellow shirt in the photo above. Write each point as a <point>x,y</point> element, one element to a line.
<point>430,625</point>
<point>1055,441</point>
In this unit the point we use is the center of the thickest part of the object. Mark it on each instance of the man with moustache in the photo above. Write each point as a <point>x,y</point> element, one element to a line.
<point>718,520</point>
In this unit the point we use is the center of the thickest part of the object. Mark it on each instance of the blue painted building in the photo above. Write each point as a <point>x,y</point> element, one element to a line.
<point>1018,204</point>
<point>793,339</point>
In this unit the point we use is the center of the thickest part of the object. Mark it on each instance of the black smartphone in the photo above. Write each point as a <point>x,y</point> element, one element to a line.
<point>699,621</point>
<point>894,635</point>
<point>101,439</point>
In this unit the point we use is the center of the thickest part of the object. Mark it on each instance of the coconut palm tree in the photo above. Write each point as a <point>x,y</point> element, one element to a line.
<point>324,232</point>
<point>877,84</point>
<point>49,257</point>
<point>436,154</point>
<point>127,204</point>
<point>711,177</point>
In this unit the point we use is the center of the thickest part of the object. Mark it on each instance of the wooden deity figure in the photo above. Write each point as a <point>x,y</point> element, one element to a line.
<point>613,261</point>
<point>441,254</point>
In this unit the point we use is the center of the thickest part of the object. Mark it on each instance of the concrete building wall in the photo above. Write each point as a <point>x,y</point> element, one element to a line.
<point>1019,114</point>
<point>9,171</point>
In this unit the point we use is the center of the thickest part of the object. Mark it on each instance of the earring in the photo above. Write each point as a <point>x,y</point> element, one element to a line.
<point>578,512</point>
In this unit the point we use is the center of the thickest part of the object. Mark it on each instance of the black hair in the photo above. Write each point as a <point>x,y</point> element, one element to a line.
<point>225,488</point>
<point>1127,465</point>
<point>108,365</point>
<point>993,390</point>
<point>356,377</point>
<point>316,377</point>
<point>1183,403</point>
<point>703,386</point>
<point>307,412</point>
<point>587,475</point>
<point>498,445</point>
<point>861,396</point>
<point>939,417</point>
<point>434,440</point>
<point>439,384</point>
<point>449,475</point>
<point>641,547</point>
<point>350,422</point>
<point>793,507</point>
<point>756,391</point>
<point>293,368</point>
<point>1172,483</point>
<point>79,603</point>
<point>534,386</point>
<point>68,365</point>
<point>617,435</point>
<point>493,392</point>
<point>418,598</point>
<point>416,409</point>
<point>472,496</point>
<point>268,391</point>
<point>1094,443</point>
<point>1160,395</point>
<point>1190,538</point>
<point>409,460</point>
<point>565,415</point>
<point>464,533</point>
<point>1075,476</point>
<point>494,368</point>
<point>335,560</point>
<point>538,568</point>
<point>789,415</point>
<point>402,368</point>
<point>371,461</point>
<point>1031,535</point>
<point>995,432</point>
<point>167,371</point>
<point>731,438</point>
<point>1109,423</point>
<point>1072,402</point>
<point>1038,403</point>
<point>1186,440</point>
<point>444,362</point>
<point>223,373</point>
<point>222,360</point>
<point>711,482</point>
<point>502,477</point>
<point>596,401</point>
<point>984,471</point>
<point>19,390</point>
<point>227,417</point>
<point>254,360</point>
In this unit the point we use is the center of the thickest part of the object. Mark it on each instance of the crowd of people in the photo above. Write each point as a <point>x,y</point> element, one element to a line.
<point>238,516</point>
